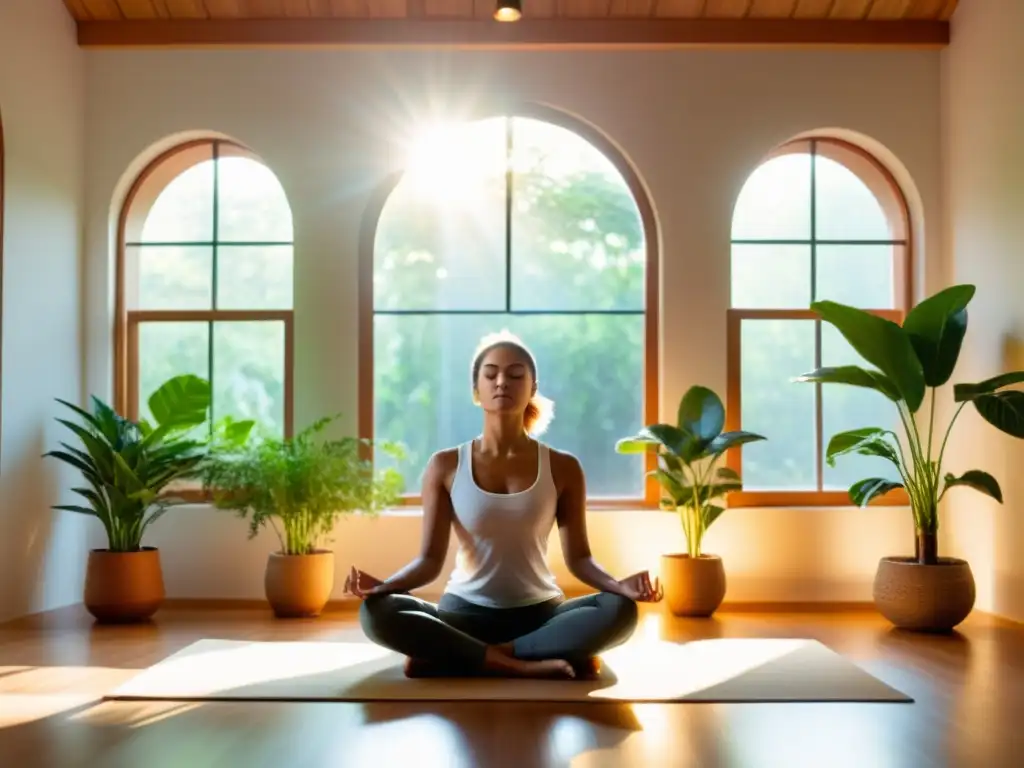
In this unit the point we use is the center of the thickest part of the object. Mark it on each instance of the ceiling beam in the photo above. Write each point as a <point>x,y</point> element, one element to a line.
<point>527,33</point>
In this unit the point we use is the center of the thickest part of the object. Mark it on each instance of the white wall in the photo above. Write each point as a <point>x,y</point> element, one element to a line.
<point>42,554</point>
<point>983,115</point>
<point>694,123</point>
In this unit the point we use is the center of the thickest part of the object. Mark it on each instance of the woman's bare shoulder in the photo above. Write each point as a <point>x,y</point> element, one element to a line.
<point>441,466</point>
<point>565,467</point>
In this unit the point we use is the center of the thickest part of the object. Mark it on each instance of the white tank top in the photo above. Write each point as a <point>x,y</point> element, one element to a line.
<point>503,538</point>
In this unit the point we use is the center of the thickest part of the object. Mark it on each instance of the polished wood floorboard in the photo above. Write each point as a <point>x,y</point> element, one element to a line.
<point>968,687</point>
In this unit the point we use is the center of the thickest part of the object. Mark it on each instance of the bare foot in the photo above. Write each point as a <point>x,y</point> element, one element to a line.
<point>590,669</point>
<point>424,668</point>
<point>496,660</point>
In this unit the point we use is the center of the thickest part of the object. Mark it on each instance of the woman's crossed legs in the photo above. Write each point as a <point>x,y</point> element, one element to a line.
<point>457,638</point>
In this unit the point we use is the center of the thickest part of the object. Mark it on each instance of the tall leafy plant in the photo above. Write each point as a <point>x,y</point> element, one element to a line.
<point>688,456</point>
<point>304,483</point>
<point>127,465</point>
<point>910,362</point>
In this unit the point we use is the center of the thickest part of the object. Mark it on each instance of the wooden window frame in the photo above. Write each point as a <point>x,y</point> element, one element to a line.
<point>890,196</point>
<point>145,190</point>
<point>2,206</point>
<point>649,405</point>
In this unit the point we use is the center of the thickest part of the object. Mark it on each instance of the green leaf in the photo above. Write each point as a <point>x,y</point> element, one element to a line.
<point>75,461</point>
<point>964,392</point>
<point>93,421</point>
<point>868,441</point>
<point>855,376</point>
<point>672,484</point>
<point>671,462</point>
<point>719,489</point>
<point>75,508</point>
<point>882,343</point>
<point>728,473</point>
<point>636,445</point>
<point>863,491</point>
<point>710,514</point>
<point>701,413</point>
<point>936,328</point>
<point>237,432</point>
<point>727,440</point>
<point>181,401</point>
<point>978,480</point>
<point>672,438</point>
<point>100,453</point>
<point>1003,410</point>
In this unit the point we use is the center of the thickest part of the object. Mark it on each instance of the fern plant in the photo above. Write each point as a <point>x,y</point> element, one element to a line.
<point>299,486</point>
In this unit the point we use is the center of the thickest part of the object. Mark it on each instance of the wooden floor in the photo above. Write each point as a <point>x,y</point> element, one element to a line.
<point>968,690</point>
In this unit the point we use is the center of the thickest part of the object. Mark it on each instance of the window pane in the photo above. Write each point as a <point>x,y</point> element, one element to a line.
<point>252,206</point>
<point>174,277</point>
<point>772,352</point>
<point>440,240</point>
<point>577,236</point>
<point>590,365</point>
<point>771,276</point>
<point>845,208</point>
<point>845,408</point>
<point>183,211</point>
<point>169,349</point>
<point>775,203</point>
<point>248,372</point>
<point>254,277</point>
<point>859,275</point>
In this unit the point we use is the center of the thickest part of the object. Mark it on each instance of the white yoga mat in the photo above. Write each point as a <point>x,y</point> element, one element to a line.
<point>721,670</point>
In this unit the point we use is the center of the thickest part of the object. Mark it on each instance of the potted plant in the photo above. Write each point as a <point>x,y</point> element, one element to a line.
<point>924,592</point>
<point>127,466</point>
<point>299,486</point>
<point>688,455</point>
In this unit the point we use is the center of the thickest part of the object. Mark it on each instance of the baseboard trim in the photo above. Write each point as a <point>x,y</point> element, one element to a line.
<point>70,616</point>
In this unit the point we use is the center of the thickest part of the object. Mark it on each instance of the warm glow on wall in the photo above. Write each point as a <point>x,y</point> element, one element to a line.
<point>508,10</point>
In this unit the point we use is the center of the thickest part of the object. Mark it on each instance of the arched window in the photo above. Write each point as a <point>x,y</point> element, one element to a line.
<point>205,283</point>
<point>819,219</point>
<point>515,223</point>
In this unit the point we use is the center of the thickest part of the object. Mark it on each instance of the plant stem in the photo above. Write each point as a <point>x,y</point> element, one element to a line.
<point>949,429</point>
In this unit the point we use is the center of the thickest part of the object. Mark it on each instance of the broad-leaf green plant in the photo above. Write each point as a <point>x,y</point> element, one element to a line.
<point>301,485</point>
<point>906,363</point>
<point>128,465</point>
<point>688,461</point>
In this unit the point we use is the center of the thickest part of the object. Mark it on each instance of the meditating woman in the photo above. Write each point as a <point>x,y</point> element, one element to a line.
<point>501,611</point>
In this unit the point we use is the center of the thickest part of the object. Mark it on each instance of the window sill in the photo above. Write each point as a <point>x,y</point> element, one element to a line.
<point>412,507</point>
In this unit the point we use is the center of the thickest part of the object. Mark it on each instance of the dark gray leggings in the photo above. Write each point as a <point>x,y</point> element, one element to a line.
<point>455,633</point>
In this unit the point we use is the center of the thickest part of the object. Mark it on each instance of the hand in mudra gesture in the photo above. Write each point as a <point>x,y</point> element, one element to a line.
<point>361,584</point>
<point>639,587</point>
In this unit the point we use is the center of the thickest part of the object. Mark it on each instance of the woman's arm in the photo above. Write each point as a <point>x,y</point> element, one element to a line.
<point>437,519</point>
<point>572,525</point>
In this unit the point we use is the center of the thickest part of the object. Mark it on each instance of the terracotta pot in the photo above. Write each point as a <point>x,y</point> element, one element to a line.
<point>929,598</point>
<point>694,586</point>
<point>299,586</point>
<point>122,587</point>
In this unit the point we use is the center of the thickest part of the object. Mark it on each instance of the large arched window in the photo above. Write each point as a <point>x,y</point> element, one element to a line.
<point>205,283</point>
<point>515,223</point>
<point>818,219</point>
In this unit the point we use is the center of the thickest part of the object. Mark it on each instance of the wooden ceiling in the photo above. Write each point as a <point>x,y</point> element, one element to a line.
<point>105,23</point>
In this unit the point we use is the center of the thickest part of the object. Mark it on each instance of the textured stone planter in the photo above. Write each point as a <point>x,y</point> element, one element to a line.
<point>927,598</point>
<point>299,586</point>
<point>694,586</point>
<point>123,587</point>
